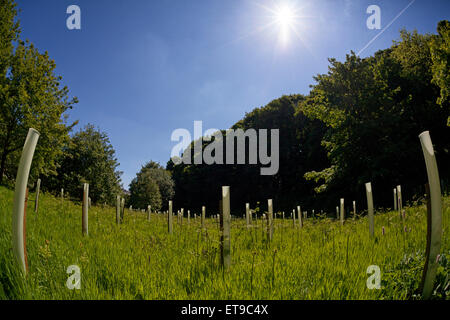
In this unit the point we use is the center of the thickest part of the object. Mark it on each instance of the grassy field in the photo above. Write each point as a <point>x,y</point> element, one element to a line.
<point>140,260</point>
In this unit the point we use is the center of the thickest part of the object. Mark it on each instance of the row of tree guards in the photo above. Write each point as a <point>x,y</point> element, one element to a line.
<point>434,211</point>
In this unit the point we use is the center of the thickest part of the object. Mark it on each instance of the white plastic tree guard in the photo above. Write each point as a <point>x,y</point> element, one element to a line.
<point>203,216</point>
<point>354,210</point>
<point>118,209</point>
<point>399,200</point>
<point>247,216</point>
<point>84,217</point>
<point>18,219</point>
<point>169,218</point>
<point>435,227</point>
<point>370,208</point>
<point>395,199</point>
<point>226,230</point>
<point>300,220</point>
<point>270,219</point>
<point>36,200</point>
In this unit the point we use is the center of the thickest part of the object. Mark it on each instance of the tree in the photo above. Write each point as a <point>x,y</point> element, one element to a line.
<point>30,96</point>
<point>374,109</point>
<point>144,191</point>
<point>163,179</point>
<point>9,32</point>
<point>440,56</point>
<point>89,157</point>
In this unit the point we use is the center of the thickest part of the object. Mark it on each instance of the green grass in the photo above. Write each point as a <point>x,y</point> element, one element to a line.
<point>140,260</point>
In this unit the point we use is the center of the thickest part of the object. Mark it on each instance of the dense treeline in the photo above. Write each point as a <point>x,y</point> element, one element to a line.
<point>359,123</point>
<point>299,151</point>
<point>374,110</point>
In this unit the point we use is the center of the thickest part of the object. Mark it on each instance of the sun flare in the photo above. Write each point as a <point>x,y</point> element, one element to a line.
<point>284,16</point>
<point>283,22</point>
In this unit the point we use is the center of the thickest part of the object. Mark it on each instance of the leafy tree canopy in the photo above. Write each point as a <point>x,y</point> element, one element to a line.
<point>30,96</point>
<point>89,158</point>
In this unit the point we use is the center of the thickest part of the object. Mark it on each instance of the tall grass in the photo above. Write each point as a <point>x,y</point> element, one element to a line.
<point>140,260</point>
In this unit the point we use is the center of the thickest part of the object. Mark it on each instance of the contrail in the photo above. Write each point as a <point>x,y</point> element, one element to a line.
<point>384,29</point>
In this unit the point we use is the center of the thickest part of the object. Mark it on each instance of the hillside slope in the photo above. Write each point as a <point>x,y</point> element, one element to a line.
<point>140,260</point>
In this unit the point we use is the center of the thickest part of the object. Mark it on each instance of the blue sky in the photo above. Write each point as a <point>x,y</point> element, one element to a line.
<point>144,68</point>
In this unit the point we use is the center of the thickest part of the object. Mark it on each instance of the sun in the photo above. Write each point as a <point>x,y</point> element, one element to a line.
<point>284,16</point>
<point>285,21</point>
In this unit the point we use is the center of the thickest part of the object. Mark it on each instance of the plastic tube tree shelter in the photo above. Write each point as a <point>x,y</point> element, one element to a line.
<point>354,210</point>
<point>36,200</point>
<point>399,200</point>
<point>226,228</point>
<point>118,209</point>
<point>293,218</point>
<point>122,211</point>
<point>342,211</point>
<point>300,220</point>
<point>247,217</point>
<point>434,230</point>
<point>85,209</point>
<point>203,216</point>
<point>395,199</point>
<point>19,208</point>
<point>189,216</point>
<point>149,211</point>
<point>270,219</point>
<point>169,217</point>
<point>370,207</point>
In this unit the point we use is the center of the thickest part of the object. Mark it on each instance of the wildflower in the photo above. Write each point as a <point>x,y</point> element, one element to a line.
<point>44,251</point>
<point>84,258</point>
